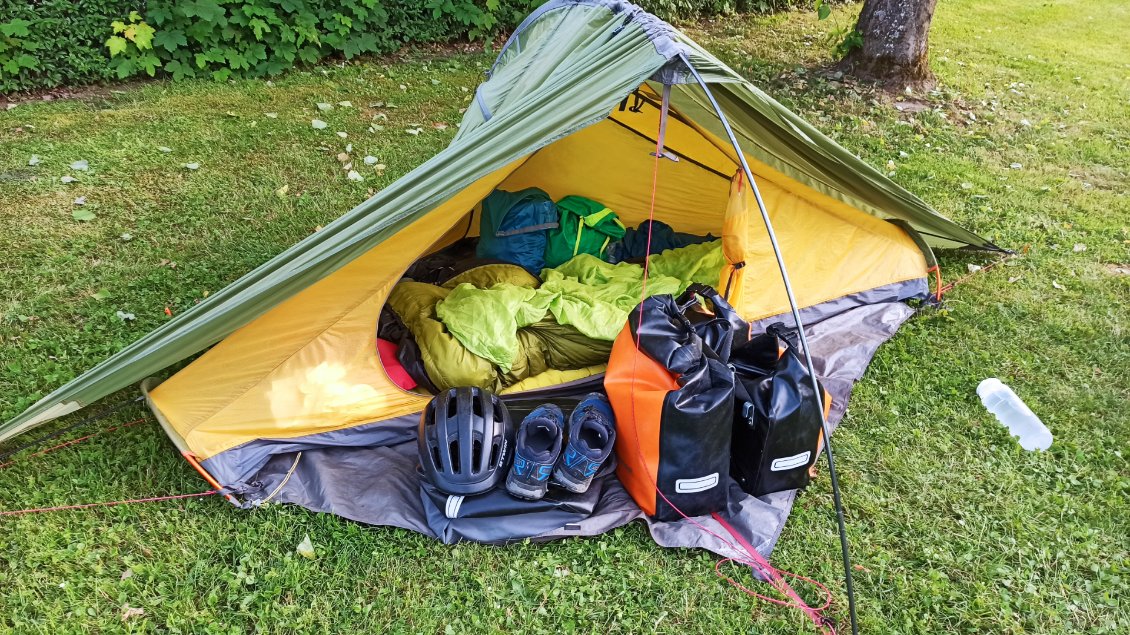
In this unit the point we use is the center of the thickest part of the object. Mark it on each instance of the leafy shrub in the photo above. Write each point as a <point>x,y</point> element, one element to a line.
<point>257,38</point>
<point>45,43</point>
<point>65,38</point>
<point>16,48</point>
<point>675,9</point>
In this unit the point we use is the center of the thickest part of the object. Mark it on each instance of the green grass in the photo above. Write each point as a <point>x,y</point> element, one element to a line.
<point>954,528</point>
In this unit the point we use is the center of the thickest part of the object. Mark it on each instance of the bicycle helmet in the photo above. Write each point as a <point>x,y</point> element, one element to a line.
<point>464,438</point>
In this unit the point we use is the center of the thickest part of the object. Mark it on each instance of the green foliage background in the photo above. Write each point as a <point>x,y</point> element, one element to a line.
<point>68,36</point>
<point>66,40</point>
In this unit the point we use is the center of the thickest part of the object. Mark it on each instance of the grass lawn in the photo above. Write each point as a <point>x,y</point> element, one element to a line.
<point>954,527</point>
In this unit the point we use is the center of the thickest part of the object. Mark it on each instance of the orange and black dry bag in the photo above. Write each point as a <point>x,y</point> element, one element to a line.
<point>673,395</point>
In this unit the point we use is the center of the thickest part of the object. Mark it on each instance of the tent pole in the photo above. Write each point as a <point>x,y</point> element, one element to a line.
<point>803,339</point>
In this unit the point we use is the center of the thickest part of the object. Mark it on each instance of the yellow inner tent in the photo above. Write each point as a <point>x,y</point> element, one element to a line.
<point>309,365</point>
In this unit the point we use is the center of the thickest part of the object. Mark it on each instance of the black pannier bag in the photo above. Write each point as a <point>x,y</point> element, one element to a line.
<point>674,400</point>
<point>778,429</point>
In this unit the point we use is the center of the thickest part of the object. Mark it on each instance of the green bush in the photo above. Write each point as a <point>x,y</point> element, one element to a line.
<point>47,43</point>
<point>65,41</point>
<point>675,9</point>
<point>257,38</point>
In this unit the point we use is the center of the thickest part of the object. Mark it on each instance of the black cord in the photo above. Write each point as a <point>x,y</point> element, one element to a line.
<point>85,422</point>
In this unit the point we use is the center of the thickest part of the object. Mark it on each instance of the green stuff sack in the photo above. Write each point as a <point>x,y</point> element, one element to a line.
<point>586,227</point>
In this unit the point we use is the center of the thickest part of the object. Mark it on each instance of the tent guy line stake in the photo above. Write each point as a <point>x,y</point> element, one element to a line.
<point>803,339</point>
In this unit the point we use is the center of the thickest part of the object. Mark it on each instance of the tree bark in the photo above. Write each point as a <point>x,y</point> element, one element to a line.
<point>895,35</point>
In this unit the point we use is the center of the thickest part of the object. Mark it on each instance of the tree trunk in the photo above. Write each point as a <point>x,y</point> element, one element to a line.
<point>894,44</point>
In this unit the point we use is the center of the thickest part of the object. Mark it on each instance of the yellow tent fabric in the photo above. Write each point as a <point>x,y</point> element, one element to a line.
<point>309,365</point>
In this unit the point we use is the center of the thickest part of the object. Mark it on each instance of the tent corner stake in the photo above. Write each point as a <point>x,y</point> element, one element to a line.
<point>191,458</point>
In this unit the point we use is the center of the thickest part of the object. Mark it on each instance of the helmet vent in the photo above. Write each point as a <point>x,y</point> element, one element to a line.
<point>452,408</point>
<point>454,454</point>
<point>477,406</point>
<point>494,453</point>
<point>476,454</point>
<point>435,457</point>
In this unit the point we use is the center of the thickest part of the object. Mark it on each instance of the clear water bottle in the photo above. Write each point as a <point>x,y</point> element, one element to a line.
<point>1014,414</point>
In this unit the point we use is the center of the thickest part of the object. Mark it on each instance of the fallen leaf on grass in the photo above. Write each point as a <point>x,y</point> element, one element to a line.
<point>125,317</point>
<point>281,192</point>
<point>439,125</point>
<point>191,166</point>
<point>354,176</point>
<point>345,104</point>
<point>101,295</point>
<point>127,574</point>
<point>305,548</point>
<point>973,268</point>
<point>342,157</point>
<point>34,160</point>
<point>343,135</point>
<point>130,612</point>
<point>1079,247</point>
<point>80,201</point>
<point>323,106</point>
<point>370,160</point>
<point>126,237</point>
<point>318,124</point>
<point>164,149</point>
<point>271,115</point>
<point>1057,285</point>
<point>67,179</point>
<point>1014,279</point>
<point>81,164</point>
<point>83,215</point>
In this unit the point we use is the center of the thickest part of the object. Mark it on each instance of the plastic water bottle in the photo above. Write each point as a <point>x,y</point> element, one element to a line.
<point>1014,414</point>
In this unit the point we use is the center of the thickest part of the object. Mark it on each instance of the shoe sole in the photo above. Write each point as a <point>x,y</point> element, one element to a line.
<point>517,491</point>
<point>562,480</point>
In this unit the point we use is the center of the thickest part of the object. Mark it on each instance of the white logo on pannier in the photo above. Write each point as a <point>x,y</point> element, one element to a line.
<point>789,462</point>
<point>692,485</point>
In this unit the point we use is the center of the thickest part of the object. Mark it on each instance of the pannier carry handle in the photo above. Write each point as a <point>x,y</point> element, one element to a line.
<point>726,331</point>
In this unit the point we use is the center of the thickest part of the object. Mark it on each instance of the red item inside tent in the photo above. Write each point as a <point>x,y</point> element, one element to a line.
<point>387,352</point>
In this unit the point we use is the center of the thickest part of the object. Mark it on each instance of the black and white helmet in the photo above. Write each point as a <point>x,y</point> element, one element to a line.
<point>464,440</point>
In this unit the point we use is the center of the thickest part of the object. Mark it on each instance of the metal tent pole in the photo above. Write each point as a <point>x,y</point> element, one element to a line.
<point>803,340</point>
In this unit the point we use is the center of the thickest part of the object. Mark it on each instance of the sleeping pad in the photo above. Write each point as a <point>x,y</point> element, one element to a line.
<point>495,325</point>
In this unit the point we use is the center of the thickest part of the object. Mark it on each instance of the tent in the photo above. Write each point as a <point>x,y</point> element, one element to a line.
<point>572,105</point>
